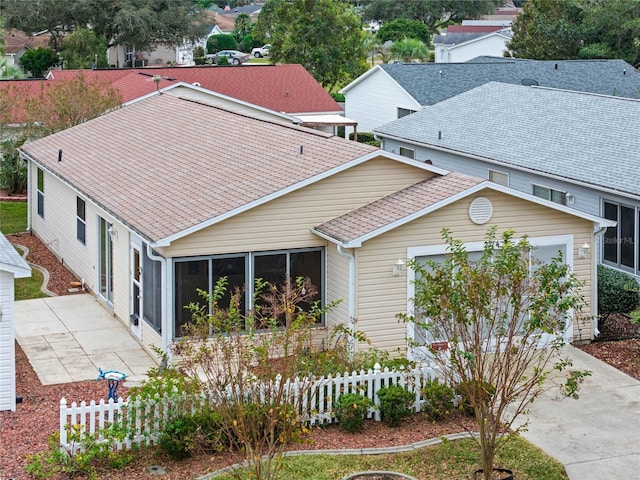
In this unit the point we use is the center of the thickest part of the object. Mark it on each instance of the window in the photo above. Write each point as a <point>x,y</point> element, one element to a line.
<point>81,221</point>
<point>619,247</point>
<point>203,273</point>
<point>408,152</point>
<point>555,196</point>
<point>40,195</point>
<point>403,112</point>
<point>501,178</point>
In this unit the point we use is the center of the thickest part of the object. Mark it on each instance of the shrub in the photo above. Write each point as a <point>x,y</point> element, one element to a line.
<point>366,137</point>
<point>198,51</point>
<point>215,43</point>
<point>222,61</point>
<point>199,60</point>
<point>438,398</point>
<point>617,291</point>
<point>178,437</point>
<point>210,434</point>
<point>350,410</point>
<point>395,404</point>
<point>338,97</point>
<point>473,393</point>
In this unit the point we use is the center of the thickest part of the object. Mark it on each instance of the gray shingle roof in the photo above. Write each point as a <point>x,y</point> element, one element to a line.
<point>430,83</point>
<point>165,164</point>
<point>9,258</point>
<point>583,137</point>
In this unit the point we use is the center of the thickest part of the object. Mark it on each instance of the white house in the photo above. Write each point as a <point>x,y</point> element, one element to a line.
<point>458,47</point>
<point>12,266</point>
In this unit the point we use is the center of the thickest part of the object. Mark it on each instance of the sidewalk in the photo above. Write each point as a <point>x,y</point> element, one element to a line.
<point>598,436</point>
<point>68,338</point>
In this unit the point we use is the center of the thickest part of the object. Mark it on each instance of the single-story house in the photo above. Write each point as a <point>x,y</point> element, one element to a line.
<point>12,266</point>
<point>145,208</point>
<point>458,47</point>
<point>390,91</point>
<point>577,149</point>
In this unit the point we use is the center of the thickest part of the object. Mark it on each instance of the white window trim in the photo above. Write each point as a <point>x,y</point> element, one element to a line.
<point>441,249</point>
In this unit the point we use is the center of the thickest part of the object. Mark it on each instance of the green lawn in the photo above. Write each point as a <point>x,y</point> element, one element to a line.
<point>28,288</point>
<point>449,460</point>
<point>13,217</point>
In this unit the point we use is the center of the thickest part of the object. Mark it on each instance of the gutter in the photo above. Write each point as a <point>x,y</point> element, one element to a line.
<point>352,300</point>
<point>594,262</point>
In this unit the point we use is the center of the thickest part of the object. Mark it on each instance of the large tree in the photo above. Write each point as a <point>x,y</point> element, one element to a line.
<point>84,49</point>
<point>400,28</point>
<point>497,325</point>
<point>574,29</point>
<point>433,13</point>
<point>139,23</point>
<point>323,35</point>
<point>548,30</point>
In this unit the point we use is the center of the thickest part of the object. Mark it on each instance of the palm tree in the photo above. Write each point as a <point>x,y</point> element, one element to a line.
<point>409,48</point>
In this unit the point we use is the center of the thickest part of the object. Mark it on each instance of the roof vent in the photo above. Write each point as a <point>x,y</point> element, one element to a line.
<point>528,82</point>
<point>196,84</point>
<point>480,210</point>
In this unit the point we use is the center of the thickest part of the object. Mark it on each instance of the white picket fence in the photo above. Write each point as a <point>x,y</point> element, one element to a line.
<point>149,420</point>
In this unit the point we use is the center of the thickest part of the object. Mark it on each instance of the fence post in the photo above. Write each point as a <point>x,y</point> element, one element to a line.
<point>63,422</point>
<point>377,384</point>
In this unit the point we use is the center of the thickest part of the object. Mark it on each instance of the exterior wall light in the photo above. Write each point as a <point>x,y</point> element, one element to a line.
<point>583,251</point>
<point>398,267</point>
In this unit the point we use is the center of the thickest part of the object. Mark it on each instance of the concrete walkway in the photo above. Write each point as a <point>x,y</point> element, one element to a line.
<point>68,338</point>
<point>597,436</point>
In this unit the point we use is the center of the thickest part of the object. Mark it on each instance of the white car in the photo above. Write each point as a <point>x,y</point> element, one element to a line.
<point>262,51</point>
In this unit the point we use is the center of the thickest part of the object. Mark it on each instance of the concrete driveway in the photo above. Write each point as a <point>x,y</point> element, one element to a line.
<point>597,436</point>
<point>68,338</point>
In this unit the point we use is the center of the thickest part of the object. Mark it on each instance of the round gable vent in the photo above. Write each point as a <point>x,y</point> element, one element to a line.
<point>480,210</point>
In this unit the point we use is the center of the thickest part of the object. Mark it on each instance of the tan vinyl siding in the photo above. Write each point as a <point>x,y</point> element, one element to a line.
<point>149,338</point>
<point>376,315</point>
<point>337,286</point>
<point>285,222</point>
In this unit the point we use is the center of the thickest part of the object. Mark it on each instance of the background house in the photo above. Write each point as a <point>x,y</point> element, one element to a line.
<point>190,205</point>
<point>388,92</point>
<point>576,149</point>
<point>457,47</point>
<point>12,266</point>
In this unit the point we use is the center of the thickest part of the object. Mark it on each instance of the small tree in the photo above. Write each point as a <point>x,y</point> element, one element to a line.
<point>13,169</point>
<point>247,366</point>
<point>409,48</point>
<point>68,103</point>
<point>39,61</point>
<point>502,317</point>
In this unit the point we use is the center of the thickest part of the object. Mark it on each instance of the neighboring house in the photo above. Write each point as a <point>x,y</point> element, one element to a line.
<point>16,43</point>
<point>458,47</point>
<point>184,52</point>
<point>12,266</point>
<point>388,92</point>
<point>289,89</point>
<point>576,149</point>
<point>147,205</point>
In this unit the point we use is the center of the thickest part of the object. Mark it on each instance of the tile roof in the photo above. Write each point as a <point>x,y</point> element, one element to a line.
<point>284,88</point>
<point>364,222</point>
<point>430,83</point>
<point>165,164</point>
<point>576,136</point>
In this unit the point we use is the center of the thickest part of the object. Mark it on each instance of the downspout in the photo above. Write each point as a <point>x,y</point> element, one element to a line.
<point>594,262</point>
<point>29,189</point>
<point>166,341</point>
<point>352,299</point>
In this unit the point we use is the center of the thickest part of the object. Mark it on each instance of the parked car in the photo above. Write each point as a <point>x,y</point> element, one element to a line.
<point>234,57</point>
<point>262,51</point>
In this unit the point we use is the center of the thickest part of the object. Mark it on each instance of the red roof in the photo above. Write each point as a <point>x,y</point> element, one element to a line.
<point>283,88</point>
